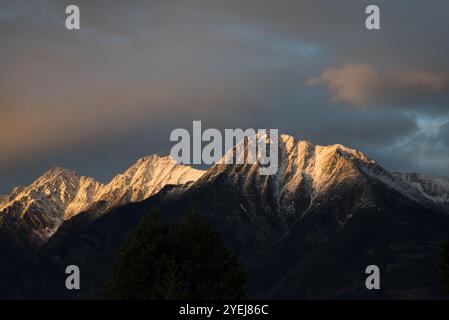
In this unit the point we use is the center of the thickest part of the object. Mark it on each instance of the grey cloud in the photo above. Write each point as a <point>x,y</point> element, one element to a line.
<point>444,136</point>
<point>137,70</point>
<point>425,150</point>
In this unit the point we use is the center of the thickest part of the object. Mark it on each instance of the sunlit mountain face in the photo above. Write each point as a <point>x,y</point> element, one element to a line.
<point>362,176</point>
<point>60,194</point>
<point>325,203</point>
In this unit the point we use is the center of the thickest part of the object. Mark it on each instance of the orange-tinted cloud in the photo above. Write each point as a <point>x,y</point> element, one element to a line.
<point>360,85</point>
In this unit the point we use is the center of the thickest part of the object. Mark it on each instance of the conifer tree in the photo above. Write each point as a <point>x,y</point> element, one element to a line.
<point>443,265</point>
<point>188,261</point>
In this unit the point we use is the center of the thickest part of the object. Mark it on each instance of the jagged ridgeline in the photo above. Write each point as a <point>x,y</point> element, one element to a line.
<point>309,231</point>
<point>59,194</point>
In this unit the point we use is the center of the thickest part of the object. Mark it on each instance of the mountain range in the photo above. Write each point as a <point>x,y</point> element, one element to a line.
<point>59,194</point>
<point>309,231</point>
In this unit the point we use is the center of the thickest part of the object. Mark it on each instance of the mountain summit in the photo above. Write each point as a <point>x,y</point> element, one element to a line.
<point>307,231</point>
<point>39,209</point>
<point>308,176</point>
<point>59,194</point>
<point>142,180</point>
<point>311,175</point>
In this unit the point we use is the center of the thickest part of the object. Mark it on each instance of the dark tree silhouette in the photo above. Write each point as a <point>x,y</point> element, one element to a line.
<point>162,261</point>
<point>443,265</point>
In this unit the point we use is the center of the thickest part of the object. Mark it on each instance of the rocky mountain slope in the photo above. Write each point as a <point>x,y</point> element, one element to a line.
<point>142,180</point>
<point>39,209</point>
<point>436,189</point>
<point>31,215</point>
<point>309,231</point>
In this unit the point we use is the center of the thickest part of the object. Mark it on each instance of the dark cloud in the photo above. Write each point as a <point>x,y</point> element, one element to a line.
<point>424,150</point>
<point>97,99</point>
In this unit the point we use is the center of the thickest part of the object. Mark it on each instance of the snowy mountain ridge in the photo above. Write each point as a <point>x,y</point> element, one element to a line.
<point>60,194</point>
<point>142,180</point>
<point>315,173</point>
<point>308,176</point>
<point>324,206</point>
<point>433,188</point>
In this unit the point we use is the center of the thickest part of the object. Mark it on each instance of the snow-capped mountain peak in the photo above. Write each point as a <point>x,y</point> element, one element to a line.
<point>314,173</point>
<point>145,178</point>
<point>56,184</point>
<point>44,203</point>
<point>59,194</point>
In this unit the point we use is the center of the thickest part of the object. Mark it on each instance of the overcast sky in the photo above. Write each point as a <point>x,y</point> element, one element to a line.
<point>97,99</point>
